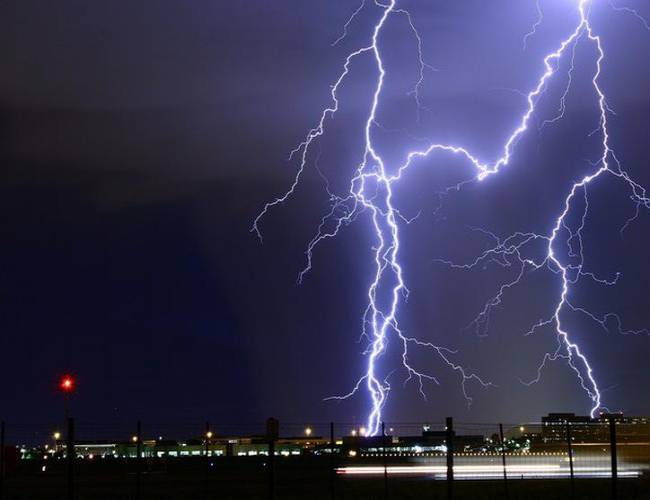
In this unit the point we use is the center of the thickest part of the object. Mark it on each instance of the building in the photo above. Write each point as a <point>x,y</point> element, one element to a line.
<point>428,442</point>
<point>583,429</point>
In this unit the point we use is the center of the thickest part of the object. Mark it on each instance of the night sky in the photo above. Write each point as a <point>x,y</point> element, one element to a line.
<point>139,139</point>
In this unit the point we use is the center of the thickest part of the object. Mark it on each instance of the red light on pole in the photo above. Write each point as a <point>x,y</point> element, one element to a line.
<point>67,384</point>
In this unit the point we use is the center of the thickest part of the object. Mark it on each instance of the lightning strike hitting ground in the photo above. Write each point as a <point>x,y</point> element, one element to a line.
<point>371,192</point>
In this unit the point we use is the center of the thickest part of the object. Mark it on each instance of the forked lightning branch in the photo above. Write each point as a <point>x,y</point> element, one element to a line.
<point>370,200</point>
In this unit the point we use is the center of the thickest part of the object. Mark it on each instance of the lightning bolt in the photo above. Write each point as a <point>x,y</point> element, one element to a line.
<point>537,24</point>
<point>632,12</point>
<point>371,192</point>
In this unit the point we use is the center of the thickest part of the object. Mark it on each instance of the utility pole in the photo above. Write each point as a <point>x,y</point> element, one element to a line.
<point>332,463</point>
<point>612,447</point>
<point>449,442</point>
<point>138,461</point>
<point>2,459</point>
<point>570,451</point>
<point>70,452</point>
<point>503,460</point>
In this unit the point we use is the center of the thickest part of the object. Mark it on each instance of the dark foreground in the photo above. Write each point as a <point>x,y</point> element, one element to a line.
<point>295,479</point>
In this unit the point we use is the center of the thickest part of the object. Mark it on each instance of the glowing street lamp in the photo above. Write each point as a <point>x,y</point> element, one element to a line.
<point>308,431</point>
<point>207,441</point>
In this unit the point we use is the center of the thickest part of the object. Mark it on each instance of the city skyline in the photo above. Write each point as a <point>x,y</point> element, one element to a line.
<point>141,143</point>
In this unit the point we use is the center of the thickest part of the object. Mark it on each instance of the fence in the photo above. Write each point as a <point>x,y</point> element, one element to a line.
<point>560,457</point>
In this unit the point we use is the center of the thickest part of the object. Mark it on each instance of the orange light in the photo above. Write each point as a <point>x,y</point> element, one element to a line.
<point>67,383</point>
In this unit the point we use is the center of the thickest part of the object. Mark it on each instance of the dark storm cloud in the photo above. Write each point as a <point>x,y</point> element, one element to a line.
<point>140,138</point>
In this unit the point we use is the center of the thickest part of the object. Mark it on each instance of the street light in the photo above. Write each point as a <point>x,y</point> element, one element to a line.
<point>208,434</point>
<point>308,431</point>
<point>57,436</point>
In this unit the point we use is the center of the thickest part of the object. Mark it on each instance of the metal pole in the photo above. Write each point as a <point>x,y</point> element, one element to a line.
<point>332,463</point>
<point>2,458</point>
<point>570,450</point>
<point>207,458</point>
<point>70,452</point>
<point>612,447</point>
<point>138,460</point>
<point>383,443</point>
<point>449,441</point>
<point>271,467</point>
<point>207,439</point>
<point>503,460</point>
